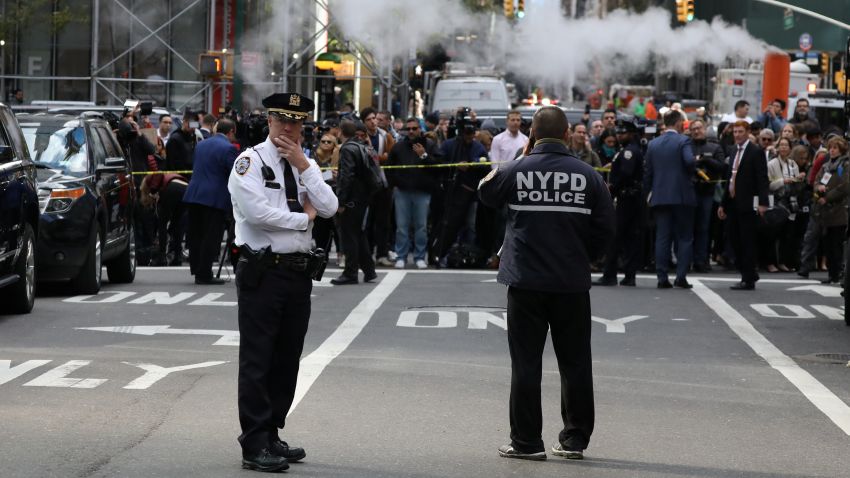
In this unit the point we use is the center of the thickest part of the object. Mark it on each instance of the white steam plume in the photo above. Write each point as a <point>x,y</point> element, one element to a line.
<point>545,45</point>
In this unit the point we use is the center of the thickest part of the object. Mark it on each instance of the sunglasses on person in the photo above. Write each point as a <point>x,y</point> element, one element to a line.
<point>326,141</point>
<point>415,128</point>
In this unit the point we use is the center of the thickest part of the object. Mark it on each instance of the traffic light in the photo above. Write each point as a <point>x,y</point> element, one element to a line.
<point>690,7</point>
<point>509,8</point>
<point>520,9</point>
<point>685,10</point>
<point>824,63</point>
<point>211,64</point>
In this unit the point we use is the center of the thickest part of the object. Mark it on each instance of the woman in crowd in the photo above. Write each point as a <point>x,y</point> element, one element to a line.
<point>790,131</point>
<point>830,206</point>
<point>607,146</point>
<point>327,156</point>
<point>785,185</point>
<point>164,193</point>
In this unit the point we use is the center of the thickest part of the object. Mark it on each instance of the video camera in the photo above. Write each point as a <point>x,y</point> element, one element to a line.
<point>256,128</point>
<point>461,123</point>
<point>145,107</point>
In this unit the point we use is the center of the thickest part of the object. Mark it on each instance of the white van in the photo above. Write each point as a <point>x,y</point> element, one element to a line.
<point>476,92</point>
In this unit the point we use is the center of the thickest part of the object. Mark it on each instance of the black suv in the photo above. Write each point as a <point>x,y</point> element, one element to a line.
<point>86,197</point>
<point>18,218</point>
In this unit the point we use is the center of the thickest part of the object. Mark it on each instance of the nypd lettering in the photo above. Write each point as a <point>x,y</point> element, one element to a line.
<point>551,191</point>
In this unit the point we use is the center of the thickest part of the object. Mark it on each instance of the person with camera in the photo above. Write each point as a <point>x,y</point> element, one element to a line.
<point>786,184</point>
<point>710,162</point>
<point>276,193</point>
<point>412,193</point>
<point>772,116</point>
<point>625,183</point>
<point>830,205</point>
<point>460,194</point>
<point>355,191</point>
<point>560,217</point>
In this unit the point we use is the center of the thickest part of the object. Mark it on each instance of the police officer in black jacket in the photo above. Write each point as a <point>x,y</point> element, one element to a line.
<point>711,167</point>
<point>625,182</point>
<point>560,217</point>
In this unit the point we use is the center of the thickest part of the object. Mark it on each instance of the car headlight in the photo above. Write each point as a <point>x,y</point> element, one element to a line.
<point>59,200</point>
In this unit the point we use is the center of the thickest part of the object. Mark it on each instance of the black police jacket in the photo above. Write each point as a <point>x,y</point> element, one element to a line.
<point>560,218</point>
<point>626,177</point>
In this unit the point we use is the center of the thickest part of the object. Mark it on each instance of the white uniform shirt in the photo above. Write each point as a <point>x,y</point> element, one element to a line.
<point>504,147</point>
<point>261,213</point>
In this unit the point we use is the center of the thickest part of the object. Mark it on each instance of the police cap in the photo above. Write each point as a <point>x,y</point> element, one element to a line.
<point>290,106</point>
<point>623,126</point>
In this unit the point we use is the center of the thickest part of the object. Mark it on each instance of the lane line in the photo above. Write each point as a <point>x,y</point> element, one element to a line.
<point>313,364</point>
<point>820,396</point>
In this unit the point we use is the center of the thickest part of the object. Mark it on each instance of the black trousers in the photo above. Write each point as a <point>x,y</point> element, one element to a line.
<point>206,226</point>
<point>530,315</point>
<point>833,247</point>
<point>742,234</point>
<point>273,320</point>
<point>169,210</point>
<point>628,239</point>
<point>454,217</point>
<point>355,244</point>
<point>380,221</point>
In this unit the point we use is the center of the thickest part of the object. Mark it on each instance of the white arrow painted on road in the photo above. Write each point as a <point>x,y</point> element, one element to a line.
<point>617,326</point>
<point>228,337</point>
<point>823,290</point>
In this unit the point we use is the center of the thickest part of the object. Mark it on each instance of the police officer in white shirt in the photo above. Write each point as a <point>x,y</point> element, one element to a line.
<point>276,194</point>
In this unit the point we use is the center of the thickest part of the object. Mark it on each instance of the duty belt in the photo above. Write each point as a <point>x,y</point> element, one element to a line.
<point>296,261</point>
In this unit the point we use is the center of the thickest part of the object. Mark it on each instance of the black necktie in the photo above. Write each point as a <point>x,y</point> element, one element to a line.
<point>290,188</point>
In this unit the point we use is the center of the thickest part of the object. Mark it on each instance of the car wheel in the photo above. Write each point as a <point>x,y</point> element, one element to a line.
<point>89,278</point>
<point>21,294</point>
<point>122,269</point>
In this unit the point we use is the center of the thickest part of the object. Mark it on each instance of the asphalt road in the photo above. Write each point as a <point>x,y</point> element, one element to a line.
<point>410,377</point>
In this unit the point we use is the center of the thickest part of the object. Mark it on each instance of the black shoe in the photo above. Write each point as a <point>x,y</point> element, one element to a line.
<point>508,451</point>
<point>605,282</point>
<point>292,454</point>
<point>370,277</point>
<point>210,281</point>
<point>830,280</point>
<point>665,285</point>
<point>682,284</point>
<point>743,286</point>
<point>264,460</point>
<point>628,281</point>
<point>803,273</point>
<point>702,268</point>
<point>344,280</point>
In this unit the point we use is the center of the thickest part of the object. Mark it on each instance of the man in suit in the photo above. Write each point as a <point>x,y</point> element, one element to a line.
<point>209,200</point>
<point>668,173</point>
<point>746,180</point>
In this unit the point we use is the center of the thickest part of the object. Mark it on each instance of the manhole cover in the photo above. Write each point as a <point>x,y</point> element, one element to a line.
<point>842,359</point>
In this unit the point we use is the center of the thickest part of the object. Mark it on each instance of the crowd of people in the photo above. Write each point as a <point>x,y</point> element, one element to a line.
<point>421,213</point>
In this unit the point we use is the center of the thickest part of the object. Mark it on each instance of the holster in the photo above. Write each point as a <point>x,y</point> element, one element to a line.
<point>253,267</point>
<point>316,262</point>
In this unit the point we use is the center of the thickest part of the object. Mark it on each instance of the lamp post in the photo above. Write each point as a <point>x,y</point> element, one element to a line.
<point>3,69</point>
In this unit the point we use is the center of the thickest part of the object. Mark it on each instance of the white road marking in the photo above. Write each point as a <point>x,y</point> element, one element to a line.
<point>794,311</point>
<point>9,373</point>
<point>823,290</point>
<point>313,364</point>
<point>58,377</point>
<point>820,396</point>
<point>104,297</point>
<point>227,337</point>
<point>155,373</point>
<point>617,326</point>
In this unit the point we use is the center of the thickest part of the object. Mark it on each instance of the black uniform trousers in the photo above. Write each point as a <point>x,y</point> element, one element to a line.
<point>742,235</point>
<point>273,318</point>
<point>206,227</point>
<point>530,315</point>
<point>355,244</point>
<point>628,238</point>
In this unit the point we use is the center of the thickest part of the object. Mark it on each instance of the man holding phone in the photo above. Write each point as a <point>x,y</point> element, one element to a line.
<point>180,149</point>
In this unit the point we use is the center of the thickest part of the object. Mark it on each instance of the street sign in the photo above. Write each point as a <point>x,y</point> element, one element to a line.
<point>805,42</point>
<point>250,59</point>
<point>788,19</point>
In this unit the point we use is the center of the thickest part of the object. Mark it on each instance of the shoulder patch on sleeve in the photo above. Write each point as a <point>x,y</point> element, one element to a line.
<point>489,176</point>
<point>627,154</point>
<point>242,165</point>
